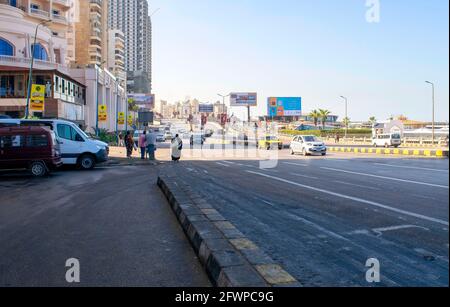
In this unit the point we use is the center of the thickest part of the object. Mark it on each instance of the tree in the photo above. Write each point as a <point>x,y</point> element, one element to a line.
<point>373,121</point>
<point>315,115</point>
<point>324,116</point>
<point>346,122</point>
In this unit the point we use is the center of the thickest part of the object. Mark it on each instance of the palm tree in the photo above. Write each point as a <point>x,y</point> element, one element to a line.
<point>324,116</point>
<point>372,120</point>
<point>315,115</point>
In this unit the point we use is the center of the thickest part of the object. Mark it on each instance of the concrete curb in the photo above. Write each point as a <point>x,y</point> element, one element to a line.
<point>229,258</point>
<point>396,152</point>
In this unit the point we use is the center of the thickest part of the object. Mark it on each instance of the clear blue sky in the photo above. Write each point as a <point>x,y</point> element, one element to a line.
<point>316,49</point>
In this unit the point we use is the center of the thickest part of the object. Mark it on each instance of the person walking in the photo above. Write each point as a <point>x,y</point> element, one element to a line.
<point>151,144</point>
<point>143,144</point>
<point>176,147</point>
<point>121,143</point>
<point>129,144</point>
<point>337,138</point>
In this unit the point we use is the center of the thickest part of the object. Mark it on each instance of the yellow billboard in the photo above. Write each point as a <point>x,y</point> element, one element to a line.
<point>37,98</point>
<point>130,120</point>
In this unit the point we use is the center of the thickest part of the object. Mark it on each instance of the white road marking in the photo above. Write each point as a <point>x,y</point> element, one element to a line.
<point>357,185</point>
<point>296,164</point>
<point>387,178</point>
<point>228,162</point>
<point>413,167</point>
<point>380,231</point>
<point>364,201</point>
<point>222,164</point>
<point>303,176</point>
<point>318,227</point>
<point>205,171</point>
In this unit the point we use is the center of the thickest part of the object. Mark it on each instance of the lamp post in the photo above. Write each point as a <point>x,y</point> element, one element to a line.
<point>30,76</point>
<point>346,115</point>
<point>433,110</point>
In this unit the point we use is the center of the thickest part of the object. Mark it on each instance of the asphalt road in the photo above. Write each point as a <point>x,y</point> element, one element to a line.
<point>322,218</point>
<point>114,220</point>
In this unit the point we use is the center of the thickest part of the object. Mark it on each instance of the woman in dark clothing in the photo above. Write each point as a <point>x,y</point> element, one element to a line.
<point>129,144</point>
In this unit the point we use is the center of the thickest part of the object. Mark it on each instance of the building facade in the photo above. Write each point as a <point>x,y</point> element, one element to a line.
<point>116,55</point>
<point>65,97</point>
<point>90,45</point>
<point>131,17</point>
<point>103,88</point>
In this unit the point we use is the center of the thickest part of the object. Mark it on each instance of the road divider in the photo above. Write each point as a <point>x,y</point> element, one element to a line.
<point>229,258</point>
<point>437,153</point>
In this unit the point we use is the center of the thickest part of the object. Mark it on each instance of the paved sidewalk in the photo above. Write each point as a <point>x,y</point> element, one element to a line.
<point>114,220</point>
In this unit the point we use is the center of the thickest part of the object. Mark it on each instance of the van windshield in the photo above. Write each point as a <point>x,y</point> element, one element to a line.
<point>396,136</point>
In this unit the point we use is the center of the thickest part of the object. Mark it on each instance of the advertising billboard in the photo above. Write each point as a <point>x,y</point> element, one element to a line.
<point>37,97</point>
<point>243,99</point>
<point>142,100</point>
<point>284,106</point>
<point>206,108</point>
<point>102,113</point>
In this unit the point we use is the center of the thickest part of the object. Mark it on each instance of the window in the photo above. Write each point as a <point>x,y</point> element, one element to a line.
<point>6,48</point>
<point>68,133</point>
<point>37,141</point>
<point>39,52</point>
<point>11,141</point>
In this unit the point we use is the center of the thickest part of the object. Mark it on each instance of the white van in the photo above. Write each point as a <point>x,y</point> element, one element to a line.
<point>77,148</point>
<point>387,140</point>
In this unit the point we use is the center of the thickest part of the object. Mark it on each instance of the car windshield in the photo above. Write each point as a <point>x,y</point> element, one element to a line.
<point>396,136</point>
<point>271,138</point>
<point>310,139</point>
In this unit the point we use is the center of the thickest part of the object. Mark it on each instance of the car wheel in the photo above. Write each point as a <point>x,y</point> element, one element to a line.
<point>292,152</point>
<point>87,162</point>
<point>324,154</point>
<point>38,169</point>
<point>304,152</point>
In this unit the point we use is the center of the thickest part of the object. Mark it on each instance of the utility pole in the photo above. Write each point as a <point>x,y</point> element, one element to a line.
<point>30,76</point>
<point>346,115</point>
<point>433,110</point>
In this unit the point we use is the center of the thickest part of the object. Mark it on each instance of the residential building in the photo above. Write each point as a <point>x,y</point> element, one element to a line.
<point>116,55</point>
<point>103,88</point>
<point>18,22</point>
<point>90,43</point>
<point>131,17</point>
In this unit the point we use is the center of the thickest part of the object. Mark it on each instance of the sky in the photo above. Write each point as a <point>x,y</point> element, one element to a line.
<point>314,49</point>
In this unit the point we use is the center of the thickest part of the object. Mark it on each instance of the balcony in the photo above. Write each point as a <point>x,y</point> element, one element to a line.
<point>17,62</point>
<point>39,13</point>
<point>59,18</point>
<point>62,2</point>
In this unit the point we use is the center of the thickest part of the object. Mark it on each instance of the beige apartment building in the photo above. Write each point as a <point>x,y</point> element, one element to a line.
<point>89,44</point>
<point>116,55</point>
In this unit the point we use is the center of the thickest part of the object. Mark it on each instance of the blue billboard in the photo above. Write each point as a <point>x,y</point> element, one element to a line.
<point>284,106</point>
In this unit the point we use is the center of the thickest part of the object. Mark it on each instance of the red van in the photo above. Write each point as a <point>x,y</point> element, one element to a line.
<point>33,148</point>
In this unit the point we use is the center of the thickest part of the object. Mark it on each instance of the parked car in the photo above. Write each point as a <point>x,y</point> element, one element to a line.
<point>32,148</point>
<point>387,140</point>
<point>160,137</point>
<point>308,145</point>
<point>270,141</point>
<point>77,148</point>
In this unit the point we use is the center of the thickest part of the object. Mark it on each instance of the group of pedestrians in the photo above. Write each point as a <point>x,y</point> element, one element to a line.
<point>147,143</point>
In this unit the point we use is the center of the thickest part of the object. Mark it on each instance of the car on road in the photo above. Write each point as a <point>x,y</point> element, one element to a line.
<point>168,135</point>
<point>387,140</point>
<point>270,141</point>
<point>307,145</point>
<point>160,137</point>
<point>32,148</point>
<point>77,148</point>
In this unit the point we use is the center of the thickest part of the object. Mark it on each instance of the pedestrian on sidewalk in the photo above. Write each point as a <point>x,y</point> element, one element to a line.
<point>151,144</point>
<point>176,147</point>
<point>129,144</point>
<point>121,142</point>
<point>143,144</point>
<point>337,138</point>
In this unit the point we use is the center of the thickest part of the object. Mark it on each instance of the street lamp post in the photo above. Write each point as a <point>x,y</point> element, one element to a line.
<point>223,101</point>
<point>433,111</point>
<point>346,115</point>
<point>30,76</point>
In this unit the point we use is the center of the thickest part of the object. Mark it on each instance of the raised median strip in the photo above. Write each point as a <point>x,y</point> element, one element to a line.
<point>229,258</point>
<point>437,153</point>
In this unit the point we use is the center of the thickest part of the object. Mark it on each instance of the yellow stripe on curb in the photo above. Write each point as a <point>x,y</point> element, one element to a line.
<point>406,152</point>
<point>439,153</point>
<point>363,150</point>
<point>378,152</point>
<point>396,151</point>
<point>356,150</point>
<point>416,152</point>
<point>370,150</point>
<point>427,153</point>
<point>387,151</point>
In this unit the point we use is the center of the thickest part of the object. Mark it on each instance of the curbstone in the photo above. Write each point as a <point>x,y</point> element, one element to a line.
<point>229,258</point>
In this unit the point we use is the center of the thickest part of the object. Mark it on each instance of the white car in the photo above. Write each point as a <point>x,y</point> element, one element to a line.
<point>387,140</point>
<point>77,148</point>
<point>308,145</point>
